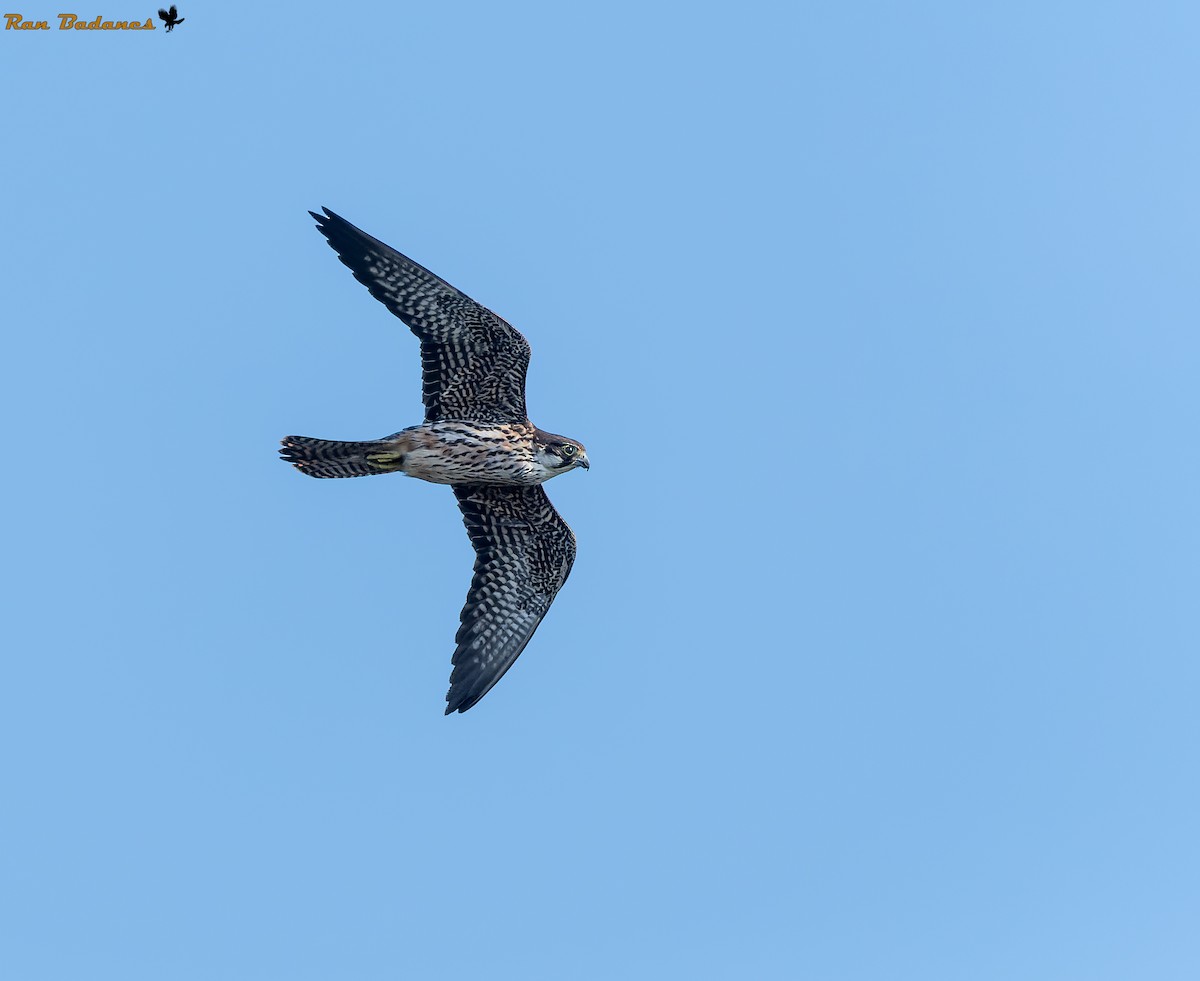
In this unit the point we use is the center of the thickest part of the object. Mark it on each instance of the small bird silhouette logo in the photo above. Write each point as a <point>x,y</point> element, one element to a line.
<point>169,18</point>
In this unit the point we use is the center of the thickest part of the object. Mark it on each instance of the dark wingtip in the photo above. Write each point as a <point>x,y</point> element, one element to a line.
<point>461,701</point>
<point>323,219</point>
<point>341,233</point>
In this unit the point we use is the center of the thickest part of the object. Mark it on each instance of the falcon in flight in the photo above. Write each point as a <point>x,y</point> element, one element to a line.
<point>477,438</point>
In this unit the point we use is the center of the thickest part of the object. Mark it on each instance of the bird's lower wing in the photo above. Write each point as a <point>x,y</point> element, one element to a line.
<point>523,555</point>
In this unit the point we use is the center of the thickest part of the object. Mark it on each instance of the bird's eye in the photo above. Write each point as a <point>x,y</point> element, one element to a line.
<point>569,450</point>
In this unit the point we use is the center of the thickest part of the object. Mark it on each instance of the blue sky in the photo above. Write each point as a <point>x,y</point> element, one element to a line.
<point>878,660</point>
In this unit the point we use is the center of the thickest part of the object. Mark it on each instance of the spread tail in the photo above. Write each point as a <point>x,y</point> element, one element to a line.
<point>335,458</point>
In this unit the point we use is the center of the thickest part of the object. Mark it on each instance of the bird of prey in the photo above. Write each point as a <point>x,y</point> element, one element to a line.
<point>477,438</point>
<point>169,18</point>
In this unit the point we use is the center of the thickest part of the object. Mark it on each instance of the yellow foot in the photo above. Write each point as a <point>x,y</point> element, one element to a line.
<point>386,460</point>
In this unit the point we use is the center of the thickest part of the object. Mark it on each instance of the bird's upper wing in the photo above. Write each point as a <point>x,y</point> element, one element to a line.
<point>173,11</point>
<point>523,555</point>
<point>473,362</point>
<point>164,15</point>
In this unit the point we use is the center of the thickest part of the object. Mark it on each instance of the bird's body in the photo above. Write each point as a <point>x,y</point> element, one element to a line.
<point>477,438</point>
<point>444,452</point>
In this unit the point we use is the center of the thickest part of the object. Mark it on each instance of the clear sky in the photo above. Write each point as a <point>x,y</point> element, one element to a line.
<point>879,658</point>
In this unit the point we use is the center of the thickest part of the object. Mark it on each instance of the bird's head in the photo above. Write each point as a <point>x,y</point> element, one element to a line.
<point>559,454</point>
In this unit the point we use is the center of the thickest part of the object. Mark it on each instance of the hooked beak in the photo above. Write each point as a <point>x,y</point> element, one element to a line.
<point>582,461</point>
